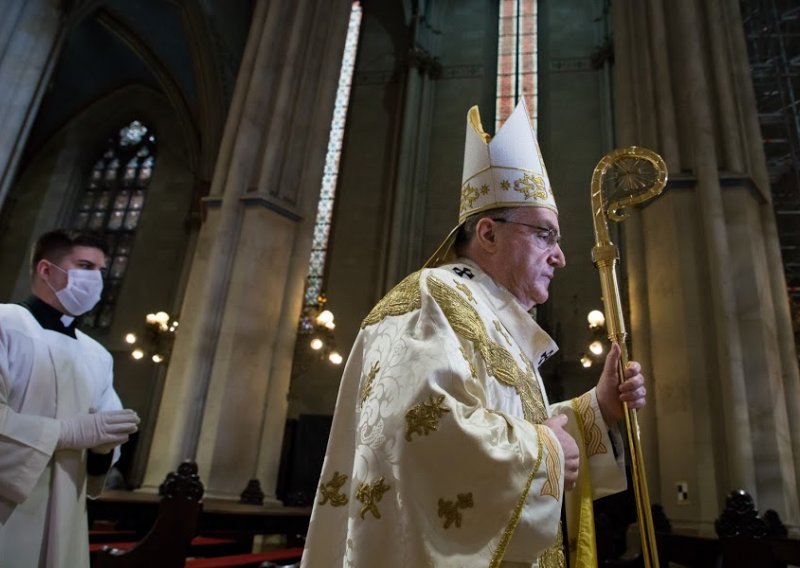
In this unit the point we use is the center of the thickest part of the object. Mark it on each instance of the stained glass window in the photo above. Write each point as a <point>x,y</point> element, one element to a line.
<point>319,247</point>
<point>111,204</point>
<point>517,55</point>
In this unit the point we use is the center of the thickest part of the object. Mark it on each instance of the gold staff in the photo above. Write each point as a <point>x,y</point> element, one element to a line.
<point>628,176</point>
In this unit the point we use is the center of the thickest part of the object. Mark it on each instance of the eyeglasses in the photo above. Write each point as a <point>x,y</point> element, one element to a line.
<point>545,238</point>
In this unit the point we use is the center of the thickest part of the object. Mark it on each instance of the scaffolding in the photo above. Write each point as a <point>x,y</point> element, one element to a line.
<point>772,29</point>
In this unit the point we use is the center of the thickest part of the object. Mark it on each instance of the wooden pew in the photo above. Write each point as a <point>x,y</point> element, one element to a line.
<point>171,525</point>
<point>748,540</point>
<point>167,542</point>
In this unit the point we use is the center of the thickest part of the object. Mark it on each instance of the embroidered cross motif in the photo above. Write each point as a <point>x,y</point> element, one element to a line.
<point>367,389</point>
<point>449,510</point>
<point>423,418</point>
<point>370,495</point>
<point>464,272</point>
<point>330,490</point>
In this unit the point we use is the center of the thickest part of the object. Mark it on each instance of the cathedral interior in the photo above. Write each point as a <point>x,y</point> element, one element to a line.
<point>266,171</point>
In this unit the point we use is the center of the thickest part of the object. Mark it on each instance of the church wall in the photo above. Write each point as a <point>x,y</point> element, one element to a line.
<point>722,344</point>
<point>257,280</point>
<point>366,198</point>
<point>574,133</point>
<point>247,287</point>
<point>31,36</point>
<point>363,197</point>
<point>766,397</point>
<point>685,379</point>
<point>468,52</point>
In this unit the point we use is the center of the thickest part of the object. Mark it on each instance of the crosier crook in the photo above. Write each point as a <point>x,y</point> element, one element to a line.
<point>639,175</point>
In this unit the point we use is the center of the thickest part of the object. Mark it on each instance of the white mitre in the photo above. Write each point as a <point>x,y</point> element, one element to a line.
<point>504,171</point>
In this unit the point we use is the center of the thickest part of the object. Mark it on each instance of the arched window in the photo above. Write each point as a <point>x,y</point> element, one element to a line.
<point>111,204</point>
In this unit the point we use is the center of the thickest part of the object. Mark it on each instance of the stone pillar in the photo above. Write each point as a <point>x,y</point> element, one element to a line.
<point>224,403</point>
<point>756,165</point>
<point>708,302</point>
<point>626,135</point>
<point>696,102</point>
<point>407,215</point>
<point>31,36</point>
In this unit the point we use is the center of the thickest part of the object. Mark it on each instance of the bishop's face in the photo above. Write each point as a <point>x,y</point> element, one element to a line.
<point>528,240</point>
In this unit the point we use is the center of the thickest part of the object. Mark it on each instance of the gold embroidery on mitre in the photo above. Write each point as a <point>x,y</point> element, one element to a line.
<point>468,196</point>
<point>592,434</point>
<point>464,289</point>
<point>367,388</point>
<point>553,462</point>
<point>330,491</point>
<point>501,331</point>
<point>500,364</point>
<point>401,299</point>
<point>508,532</point>
<point>472,370</point>
<point>370,495</point>
<point>505,185</point>
<point>423,418</point>
<point>484,189</point>
<point>449,510</point>
<point>531,186</point>
<point>554,556</point>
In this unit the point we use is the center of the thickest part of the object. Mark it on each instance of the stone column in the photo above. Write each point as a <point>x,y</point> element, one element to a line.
<point>708,301</point>
<point>224,402</point>
<point>406,216</point>
<point>625,69</point>
<point>756,165</point>
<point>696,102</point>
<point>31,35</point>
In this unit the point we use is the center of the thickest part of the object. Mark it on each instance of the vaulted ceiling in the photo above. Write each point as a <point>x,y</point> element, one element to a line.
<point>189,50</point>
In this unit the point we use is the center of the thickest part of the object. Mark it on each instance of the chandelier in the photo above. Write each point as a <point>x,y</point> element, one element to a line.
<point>597,328</point>
<point>156,340</point>
<point>315,331</point>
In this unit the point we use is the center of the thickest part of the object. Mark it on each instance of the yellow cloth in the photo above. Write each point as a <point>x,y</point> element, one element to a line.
<point>585,553</point>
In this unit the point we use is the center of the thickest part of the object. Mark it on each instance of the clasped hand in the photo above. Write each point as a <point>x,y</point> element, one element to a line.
<point>611,397</point>
<point>101,431</point>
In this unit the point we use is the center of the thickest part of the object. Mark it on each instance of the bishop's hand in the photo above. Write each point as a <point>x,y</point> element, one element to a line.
<point>611,394</point>
<point>569,447</point>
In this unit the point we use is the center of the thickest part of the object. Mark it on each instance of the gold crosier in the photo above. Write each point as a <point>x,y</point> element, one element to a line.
<point>624,178</point>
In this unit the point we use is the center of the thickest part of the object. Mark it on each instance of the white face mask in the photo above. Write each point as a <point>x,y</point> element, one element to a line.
<point>82,291</point>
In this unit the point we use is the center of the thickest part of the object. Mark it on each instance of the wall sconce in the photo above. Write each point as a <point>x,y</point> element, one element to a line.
<point>597,327</point>
<point>316,331</point>
<point>156,340</point>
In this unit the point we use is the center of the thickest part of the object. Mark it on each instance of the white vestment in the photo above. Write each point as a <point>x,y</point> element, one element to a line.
<point>46,376</point>
<point>437,455</point>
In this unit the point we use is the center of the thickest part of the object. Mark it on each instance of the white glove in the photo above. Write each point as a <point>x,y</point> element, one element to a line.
<point>101,429</point>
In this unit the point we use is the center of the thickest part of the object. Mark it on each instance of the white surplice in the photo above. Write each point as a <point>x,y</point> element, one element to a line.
<point>437,456</point>
<point>46,376</point>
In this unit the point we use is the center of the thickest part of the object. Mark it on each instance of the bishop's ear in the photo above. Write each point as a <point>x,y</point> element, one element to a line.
<point>486,234</point>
